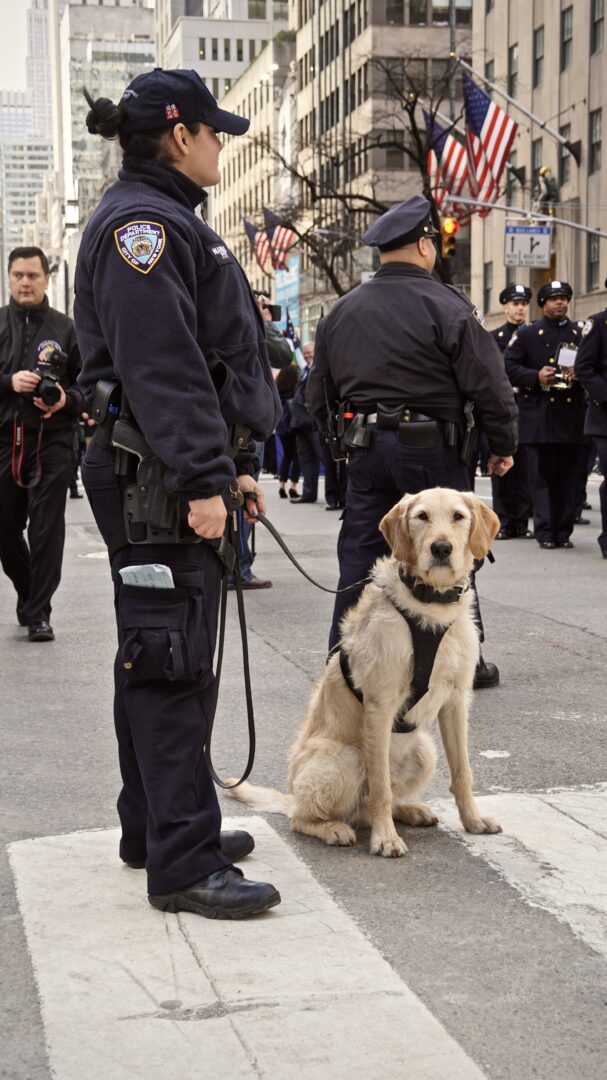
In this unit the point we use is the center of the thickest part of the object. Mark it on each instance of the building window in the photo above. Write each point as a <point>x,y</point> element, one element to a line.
<point>597,24</point>
<point>418,12</point>
<point>251,50</point>
<point>594,161</point>
<point>395,155</point>
<point>592,272</point>
<point>566,37</point>
<point>227,85</point>
<point>488,6</point>
<point>487,285</point>
<point>490,70</point>
<point>257,9</point>
<point>226,49</point>
<point>202,53</point>
<point>395,13</point>
<point>215,87</point>
<point>536,157</point>
<point>513,70</point>
<point>538,56</point>
<point>564,156</point>
<point>239,50</point>
<point>440,12</point>
<point>214,49</point>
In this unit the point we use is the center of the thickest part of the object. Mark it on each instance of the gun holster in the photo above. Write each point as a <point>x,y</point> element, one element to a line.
<point>105,410</point>
<point>357,433</point>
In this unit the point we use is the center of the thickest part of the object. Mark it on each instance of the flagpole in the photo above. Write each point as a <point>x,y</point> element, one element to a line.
<point>575,149</point>
<point>545,219</point>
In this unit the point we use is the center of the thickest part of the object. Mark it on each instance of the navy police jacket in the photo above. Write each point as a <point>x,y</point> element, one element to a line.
<point>502,334</point>
<point>591,370</point>
<point>162,305</point>
<point>546,415</point>
<point>405,338</point>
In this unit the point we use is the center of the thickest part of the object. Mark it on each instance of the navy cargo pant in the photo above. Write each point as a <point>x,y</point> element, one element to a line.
<point>164,681</point>
<point>377,478</point>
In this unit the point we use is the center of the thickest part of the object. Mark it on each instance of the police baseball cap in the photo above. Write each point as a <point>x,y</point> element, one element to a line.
<point>161,98</point>
<point>402,224</point>
<point>515,292</point>
<point>552,289</point>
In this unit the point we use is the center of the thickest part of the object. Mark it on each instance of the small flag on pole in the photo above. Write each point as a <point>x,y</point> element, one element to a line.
<point>260,244</point>
<point>294,341</point>
<point>281,238</point>
<point>447,166</point>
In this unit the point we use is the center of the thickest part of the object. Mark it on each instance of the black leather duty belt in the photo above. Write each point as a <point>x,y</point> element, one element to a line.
<point>393,419</point>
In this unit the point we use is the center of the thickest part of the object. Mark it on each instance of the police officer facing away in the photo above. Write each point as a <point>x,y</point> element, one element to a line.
<point>38,356</point>
<point>591,370</point>
<point>163,307</point>
<point>401,355</point>
<point>511,495</point>
<point>539,362</point>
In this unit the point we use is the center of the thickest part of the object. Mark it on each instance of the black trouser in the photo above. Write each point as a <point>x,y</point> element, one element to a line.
<point>512,497</point>
<point>34,566</point>
<point>377,478</point>
<point>164,682</point>
<point>289,466</point>
<point>336,478</point>
<point>309,453</point>
<point>601,449</point>
<point>554,472</point>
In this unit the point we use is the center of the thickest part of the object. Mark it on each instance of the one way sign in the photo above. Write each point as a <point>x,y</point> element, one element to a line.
<point>527,245</point>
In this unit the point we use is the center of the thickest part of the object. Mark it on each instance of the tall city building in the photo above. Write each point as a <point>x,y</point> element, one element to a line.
<point>23,165</point>
<point>15,115</point>
<point>38,69</point>
<point>551,59</point>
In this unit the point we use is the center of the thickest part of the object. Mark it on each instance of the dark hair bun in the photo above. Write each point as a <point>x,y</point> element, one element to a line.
<point>105,118</point>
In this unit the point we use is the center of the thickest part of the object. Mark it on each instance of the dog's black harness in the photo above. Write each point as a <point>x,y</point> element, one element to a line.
<point>426,641</point>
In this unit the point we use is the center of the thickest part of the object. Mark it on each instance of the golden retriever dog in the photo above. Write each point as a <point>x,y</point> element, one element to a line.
<point>347,768</point>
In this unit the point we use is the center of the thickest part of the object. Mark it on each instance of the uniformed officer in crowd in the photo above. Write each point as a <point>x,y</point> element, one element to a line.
<point>591,370</point>
<point>163,307</point>
<point>511,495</point>
<point>39,408</point>
<point>401,355</point>
<point>539,362</point>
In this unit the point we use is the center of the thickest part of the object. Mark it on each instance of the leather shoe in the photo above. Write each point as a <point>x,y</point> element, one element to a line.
<point>505,534</point>
<point>524,534</point>
<point>486,675</point>
<point>257,583</point>
<point>565,544</point>
<point>234,844</point>
<point>226,894</point>
<point>604,553</point>
<point>41,631</point>
<point>548,545</point>
<point>332,506</point>
<point>581,520</point>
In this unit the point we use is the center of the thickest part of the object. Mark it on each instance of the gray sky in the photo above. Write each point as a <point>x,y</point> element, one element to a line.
<point>13,44</point>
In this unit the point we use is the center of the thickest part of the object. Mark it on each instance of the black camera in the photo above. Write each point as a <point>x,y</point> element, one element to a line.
<point>274,309</point>
<point>51,370</point>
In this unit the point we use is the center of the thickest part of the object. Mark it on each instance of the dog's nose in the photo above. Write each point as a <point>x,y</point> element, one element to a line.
<point>441,549</point>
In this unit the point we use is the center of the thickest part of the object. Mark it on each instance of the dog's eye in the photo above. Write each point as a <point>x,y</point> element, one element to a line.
<point>457,516</point>
<point>422,516</point>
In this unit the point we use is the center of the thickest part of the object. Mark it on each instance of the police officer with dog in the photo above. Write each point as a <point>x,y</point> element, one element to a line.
<point>511,495</point>
<point>591,370</point>
<point>405,371</point>
<point>539,361</point>
<point>175,366</point>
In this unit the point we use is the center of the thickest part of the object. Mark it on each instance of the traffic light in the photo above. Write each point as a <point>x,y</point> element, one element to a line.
<point>449,228</point>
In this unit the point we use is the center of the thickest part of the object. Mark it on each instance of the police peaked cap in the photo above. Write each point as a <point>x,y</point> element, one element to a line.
<point>516,292</point>
<point>402,224</point>
<point>553,289</point>
<point>159,99</point>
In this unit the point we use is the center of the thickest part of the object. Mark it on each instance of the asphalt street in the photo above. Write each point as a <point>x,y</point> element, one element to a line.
<point>470,957</point>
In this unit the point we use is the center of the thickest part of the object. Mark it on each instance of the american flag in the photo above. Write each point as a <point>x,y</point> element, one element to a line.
<point>260,244</point>
<point>281,238</point>
<point>294,341</point>
<point>489,136</point>
<point>447,166</point>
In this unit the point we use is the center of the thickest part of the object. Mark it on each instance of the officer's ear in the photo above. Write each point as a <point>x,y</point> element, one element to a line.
<point>395,528</point>
<point>484,528</point>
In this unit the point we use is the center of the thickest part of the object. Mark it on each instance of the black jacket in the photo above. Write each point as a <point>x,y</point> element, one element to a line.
<point>545,415</point>
<point>502,334</point>
<point>163,306</point>
<point>404,338</point>
<point>27,335</point>
<point>591,370</point>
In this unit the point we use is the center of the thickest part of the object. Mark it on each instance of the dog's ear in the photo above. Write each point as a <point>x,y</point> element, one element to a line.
<point>395,527</point>
<point>485,526</point>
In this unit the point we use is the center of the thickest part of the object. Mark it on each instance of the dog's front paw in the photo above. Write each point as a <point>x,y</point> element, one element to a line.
<point>338,834</point>
<point>390,846</point>
<point>482,825</point>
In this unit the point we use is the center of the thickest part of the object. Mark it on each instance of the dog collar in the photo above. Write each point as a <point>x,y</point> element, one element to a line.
<point>428,594</point>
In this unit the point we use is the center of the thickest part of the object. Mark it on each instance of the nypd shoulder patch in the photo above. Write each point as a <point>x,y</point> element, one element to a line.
<point>480,318</point>
<point>588,326</point>
<point>141,243</point>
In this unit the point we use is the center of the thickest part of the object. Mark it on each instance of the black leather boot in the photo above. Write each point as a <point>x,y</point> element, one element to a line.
<point>486,675</point>
<point>226,894</point>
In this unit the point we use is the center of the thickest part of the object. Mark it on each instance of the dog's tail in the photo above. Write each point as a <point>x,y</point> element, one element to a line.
<point>261,798</point>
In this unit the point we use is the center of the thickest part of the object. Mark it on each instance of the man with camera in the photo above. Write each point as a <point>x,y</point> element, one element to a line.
<point>39,409</point>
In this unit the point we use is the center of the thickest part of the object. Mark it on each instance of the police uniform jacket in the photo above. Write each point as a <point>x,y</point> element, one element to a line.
<point>28,335</point>
<point>591,370</point>
<point>502,334</point>
<point>404,338</point>
<point>545,415</point>
<point>163,306</point>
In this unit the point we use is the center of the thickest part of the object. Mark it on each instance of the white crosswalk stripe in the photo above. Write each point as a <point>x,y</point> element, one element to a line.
<point>298,994</point>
